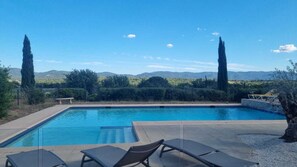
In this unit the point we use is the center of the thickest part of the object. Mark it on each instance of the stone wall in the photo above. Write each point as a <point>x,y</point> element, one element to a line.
<point>262,105</point>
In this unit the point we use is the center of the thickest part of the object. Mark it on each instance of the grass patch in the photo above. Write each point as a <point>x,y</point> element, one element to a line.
<point>18,111</point>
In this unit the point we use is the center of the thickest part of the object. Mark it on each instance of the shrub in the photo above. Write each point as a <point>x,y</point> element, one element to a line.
<point>35,96</point>
<point>180,94</point>
<point>212,95</point>
<point>5,91</point>
<point>151,94</point>
<point>159,94</point>
<point>78,94</point>
<point>86,79</point>
<point>116,81</point>
<point>156,82</point>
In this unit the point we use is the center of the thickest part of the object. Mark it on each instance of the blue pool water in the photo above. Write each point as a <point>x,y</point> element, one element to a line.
<point>77,126</point>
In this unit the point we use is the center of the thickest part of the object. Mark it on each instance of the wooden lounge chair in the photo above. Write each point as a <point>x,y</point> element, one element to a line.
<point>205,154</point>
<point>109,156</point>
<point>35,158</point>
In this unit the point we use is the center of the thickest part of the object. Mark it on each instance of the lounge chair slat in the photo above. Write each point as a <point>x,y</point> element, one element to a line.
<point>35,158</point>
<point>205,154</point>
<point>225,160</point>
<point>105,155</point>
<point>109,156</point>
<point>189,147</point>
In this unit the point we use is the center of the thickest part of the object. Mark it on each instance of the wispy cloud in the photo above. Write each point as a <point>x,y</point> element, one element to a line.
<point>206,63</point>
<point>287,59</point>
<point>130,36</point>
<point>159,66</point>
<point>195,66</point>
<point>148,57</point>
<point>53,61</point>
<point>49,61</point>
<point>93,63</point>
<point>156,58</point>
<point>288,48</point>
<point>215,33</point>
<point>201,29</point>
<point>170,45</point>
<point>240,67</point>
<point>190,69</point>
<point>195,62</point>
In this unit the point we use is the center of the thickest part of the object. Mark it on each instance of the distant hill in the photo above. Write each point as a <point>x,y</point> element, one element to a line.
<point>251,75</point>
<point>15,74</point>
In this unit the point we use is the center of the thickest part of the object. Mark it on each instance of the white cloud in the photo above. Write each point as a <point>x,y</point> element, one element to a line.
<point>288,48</point>
<point>130,36</point>
<point>170,45</point>
<point>215,33</point>
<point>159,66</point>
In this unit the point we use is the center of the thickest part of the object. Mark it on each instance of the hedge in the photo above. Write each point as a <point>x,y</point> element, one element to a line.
<point>158,94</point>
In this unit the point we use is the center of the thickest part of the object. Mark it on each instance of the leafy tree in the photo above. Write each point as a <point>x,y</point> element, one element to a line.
<point>28,78</point>
<point>116,81</point>
<point>35,96</point>
<point>287,88</point>
<point>154,82</point>
<point>184,85</point>
<point>86,79</point>
<point>222,70</point>
<point>5,91</point>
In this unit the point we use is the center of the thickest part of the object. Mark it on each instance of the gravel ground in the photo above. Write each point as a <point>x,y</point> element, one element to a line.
<point>269,151</point>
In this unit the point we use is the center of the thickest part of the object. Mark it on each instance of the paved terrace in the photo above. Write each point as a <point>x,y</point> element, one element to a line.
<point>222,135</point>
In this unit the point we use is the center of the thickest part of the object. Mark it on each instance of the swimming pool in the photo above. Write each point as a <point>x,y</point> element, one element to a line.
<point>78,126</point>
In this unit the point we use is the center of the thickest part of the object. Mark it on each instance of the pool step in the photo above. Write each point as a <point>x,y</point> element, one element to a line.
<point>129,135</point>
<point>115,135</point>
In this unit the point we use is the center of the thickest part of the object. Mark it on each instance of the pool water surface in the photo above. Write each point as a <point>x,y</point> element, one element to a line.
<point>78,126</point>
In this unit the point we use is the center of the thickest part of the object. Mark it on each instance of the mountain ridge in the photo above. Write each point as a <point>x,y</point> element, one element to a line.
<point>15,74</point>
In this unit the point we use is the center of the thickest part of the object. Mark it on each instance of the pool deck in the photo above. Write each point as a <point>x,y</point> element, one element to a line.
<point>222,135</point>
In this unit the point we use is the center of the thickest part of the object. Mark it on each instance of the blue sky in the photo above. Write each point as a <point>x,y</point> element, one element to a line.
<point>135,36</point>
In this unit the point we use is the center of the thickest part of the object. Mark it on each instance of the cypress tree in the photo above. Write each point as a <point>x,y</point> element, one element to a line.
<point>222,69</point>
<point>28,78</point>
